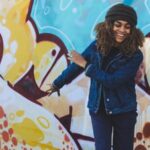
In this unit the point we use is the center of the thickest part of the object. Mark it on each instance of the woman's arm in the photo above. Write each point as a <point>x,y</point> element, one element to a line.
<point>74,69</point>
<point>120,76</point>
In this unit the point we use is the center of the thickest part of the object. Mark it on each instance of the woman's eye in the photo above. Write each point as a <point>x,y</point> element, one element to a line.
<point>117,25</point>
<point>128,27</point>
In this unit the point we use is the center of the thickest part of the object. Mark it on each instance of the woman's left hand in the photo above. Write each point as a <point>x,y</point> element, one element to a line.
<point>77,59</point>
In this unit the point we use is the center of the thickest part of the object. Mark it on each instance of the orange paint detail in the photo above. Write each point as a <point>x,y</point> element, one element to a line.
<point>5,136</point>
<point>140,147</point>
<point>14,141</point>
<point>66,138</point>
<point>146,130</point>
<point>139,136</point>
<point>5,123</point>
<point>10,131</point>
<point>1,112</point>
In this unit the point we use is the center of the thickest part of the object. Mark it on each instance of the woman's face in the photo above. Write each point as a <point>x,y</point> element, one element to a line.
<point>121,30</point>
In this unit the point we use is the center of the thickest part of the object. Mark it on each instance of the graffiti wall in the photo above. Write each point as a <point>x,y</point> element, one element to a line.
<point>35,37</point>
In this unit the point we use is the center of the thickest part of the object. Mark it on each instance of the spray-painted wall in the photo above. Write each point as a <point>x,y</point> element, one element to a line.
<point>35,37</point>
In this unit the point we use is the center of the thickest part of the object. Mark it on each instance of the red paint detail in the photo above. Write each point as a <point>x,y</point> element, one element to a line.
<point>10,131</point>
<point>5,123</point>
<point>140,147</point>
<point>14,141</point>
<point>1,112</point>
<point>66,138</point>
<point>5,136</point>
<point>139,135</point>
<point>146,130</point>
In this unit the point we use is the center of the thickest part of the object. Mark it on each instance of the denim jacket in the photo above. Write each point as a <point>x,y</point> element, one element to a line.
<point>116,81</point>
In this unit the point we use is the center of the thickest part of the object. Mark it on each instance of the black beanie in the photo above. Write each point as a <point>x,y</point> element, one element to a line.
<point>122,12</point>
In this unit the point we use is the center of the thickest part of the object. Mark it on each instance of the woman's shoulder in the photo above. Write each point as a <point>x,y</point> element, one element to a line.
<point>138,54</point>
<point>93,43</point>
<point>90,49</point>
<point>93,46</point>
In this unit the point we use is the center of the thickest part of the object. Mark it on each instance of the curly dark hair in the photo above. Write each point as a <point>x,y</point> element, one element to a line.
<point>105,39</point>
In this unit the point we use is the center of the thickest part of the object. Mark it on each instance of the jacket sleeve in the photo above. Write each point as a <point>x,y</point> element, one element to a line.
<point>73,70</point>
<point>120,76</point>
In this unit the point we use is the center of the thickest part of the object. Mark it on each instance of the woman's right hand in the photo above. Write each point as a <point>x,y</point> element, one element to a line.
<point>53,89</point>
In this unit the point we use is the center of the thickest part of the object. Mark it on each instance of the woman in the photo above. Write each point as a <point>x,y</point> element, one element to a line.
<point>111,63</point>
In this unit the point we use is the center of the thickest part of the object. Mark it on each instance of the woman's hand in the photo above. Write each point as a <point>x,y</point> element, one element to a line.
<point>77,59</point>
<point>53,89</point>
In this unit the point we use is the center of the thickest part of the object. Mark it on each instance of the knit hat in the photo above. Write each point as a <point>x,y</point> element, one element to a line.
<point>122,12</point>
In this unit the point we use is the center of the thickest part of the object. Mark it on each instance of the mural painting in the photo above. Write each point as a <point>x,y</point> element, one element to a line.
<point>35,37</point>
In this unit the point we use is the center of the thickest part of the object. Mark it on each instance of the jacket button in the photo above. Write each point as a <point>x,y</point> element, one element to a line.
<point>110,112</point>
<point>107,99</point>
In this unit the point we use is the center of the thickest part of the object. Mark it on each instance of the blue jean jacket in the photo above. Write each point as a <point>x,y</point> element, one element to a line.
<point>116,82</point>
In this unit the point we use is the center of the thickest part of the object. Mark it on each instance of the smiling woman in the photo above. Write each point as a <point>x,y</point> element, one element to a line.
<point>111,63</point>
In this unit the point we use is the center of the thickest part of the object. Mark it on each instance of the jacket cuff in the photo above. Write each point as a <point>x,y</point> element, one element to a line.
<point>55,86</point>
<point>87,64</point>
<point>88,69</point>
<point>56,89</point>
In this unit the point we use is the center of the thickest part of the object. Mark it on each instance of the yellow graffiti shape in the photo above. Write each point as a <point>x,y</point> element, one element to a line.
<point>48,146</point>
<point>22,37</point>
<point>20,113</point>
<point>43,122</point>
<point>28,131</point>
<point>31,134</point>
<point>23,50</point>
<point>42,58</point>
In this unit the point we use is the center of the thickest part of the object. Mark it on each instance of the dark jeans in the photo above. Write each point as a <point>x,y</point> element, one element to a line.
<point>116,128</point>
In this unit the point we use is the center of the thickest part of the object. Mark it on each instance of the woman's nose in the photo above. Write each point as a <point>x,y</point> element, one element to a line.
<point>122,29</point>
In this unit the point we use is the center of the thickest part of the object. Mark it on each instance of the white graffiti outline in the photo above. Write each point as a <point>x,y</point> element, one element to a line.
<point>146,26</point>
<point>61,5</point>
<point>146,5</point>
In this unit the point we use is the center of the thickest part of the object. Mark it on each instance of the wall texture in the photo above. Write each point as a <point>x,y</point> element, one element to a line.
<point>35,37</point>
